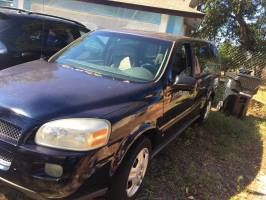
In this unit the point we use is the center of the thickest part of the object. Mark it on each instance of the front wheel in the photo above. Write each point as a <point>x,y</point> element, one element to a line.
<point>129,179</point>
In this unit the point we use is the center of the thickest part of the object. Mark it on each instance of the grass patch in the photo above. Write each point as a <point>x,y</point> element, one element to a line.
<point>262,127</point>
<point>261,96</point>
<point>258,105</point>
<point>227,125</point>
<point>213,161</point>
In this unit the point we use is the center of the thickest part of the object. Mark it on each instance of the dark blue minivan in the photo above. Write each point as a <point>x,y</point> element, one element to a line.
<point>87,123</point>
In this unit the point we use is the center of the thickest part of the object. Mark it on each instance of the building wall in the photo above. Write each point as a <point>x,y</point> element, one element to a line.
<point>6,3</point>
<point>175,25</point>
<point>98,16</point>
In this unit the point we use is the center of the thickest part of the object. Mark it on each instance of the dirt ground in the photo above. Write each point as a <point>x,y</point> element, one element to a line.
<point>225,159</point>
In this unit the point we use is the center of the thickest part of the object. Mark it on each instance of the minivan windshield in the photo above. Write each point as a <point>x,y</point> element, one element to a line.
<point>116,55</point>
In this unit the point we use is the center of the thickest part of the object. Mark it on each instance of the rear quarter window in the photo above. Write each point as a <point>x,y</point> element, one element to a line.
<point>207,56</point>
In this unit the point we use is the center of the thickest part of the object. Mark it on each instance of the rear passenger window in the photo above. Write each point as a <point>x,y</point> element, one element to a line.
<point>206,57</point>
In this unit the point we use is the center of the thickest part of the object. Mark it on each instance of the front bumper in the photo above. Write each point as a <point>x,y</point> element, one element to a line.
<point>84,175</point>
<point>35,195</point>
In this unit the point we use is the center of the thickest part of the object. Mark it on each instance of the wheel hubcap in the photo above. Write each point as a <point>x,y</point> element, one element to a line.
<point>208,110</point>
<point>137,172</point>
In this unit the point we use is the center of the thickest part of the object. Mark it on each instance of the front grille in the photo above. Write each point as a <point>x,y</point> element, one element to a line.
<point>5,160</point>
<point>9,132</point>
<point>6,156</point>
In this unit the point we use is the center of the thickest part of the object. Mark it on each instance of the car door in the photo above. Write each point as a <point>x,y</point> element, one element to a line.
<point>179,100</point>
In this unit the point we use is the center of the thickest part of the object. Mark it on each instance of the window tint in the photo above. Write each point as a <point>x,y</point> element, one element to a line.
<point>206,57</point>
<point>59,36</point>
<point>182,61</point>
<point>31,35</point>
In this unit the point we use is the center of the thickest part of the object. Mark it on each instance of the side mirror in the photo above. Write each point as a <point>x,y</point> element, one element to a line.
<point>185,83</point>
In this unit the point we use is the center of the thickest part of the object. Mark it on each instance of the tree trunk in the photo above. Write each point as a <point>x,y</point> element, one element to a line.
<point>245,34</point>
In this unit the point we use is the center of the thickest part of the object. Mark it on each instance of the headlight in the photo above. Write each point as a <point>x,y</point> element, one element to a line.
<point>74,134</point>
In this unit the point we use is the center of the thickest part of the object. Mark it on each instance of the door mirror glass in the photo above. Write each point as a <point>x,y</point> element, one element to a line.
<point>186,83</point>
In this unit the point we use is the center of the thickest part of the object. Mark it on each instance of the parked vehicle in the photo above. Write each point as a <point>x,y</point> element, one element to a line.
<point>26,36</point>
<point>239,90</point>
<point>87,122</point>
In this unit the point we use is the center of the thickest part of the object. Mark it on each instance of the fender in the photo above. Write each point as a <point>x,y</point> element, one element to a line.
<point>128,142</point>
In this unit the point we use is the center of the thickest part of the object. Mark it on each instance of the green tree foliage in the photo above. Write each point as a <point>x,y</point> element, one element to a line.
<point>239,27</point>
<point>242,22</point>
<point>235,57</point>
<point>227,52</point>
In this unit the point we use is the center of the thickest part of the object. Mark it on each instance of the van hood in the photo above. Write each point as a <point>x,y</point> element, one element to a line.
<point>46,91</point>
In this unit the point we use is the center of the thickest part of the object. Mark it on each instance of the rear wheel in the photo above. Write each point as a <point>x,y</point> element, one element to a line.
<point>128,180</point>
<point>205,111</point>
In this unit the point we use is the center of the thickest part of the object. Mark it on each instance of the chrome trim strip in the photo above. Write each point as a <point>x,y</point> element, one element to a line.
<point>245,94</point>
<point>170,123</point>
<point>17,186</point>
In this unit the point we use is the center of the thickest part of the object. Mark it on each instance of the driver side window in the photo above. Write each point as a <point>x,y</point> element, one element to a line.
<point>182,61</point>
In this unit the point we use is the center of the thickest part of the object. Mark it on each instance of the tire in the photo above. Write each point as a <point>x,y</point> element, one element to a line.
<point>123,189</point>
<point>205,111</point>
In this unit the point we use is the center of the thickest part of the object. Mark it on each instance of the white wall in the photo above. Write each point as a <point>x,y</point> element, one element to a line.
<point>103,16</point>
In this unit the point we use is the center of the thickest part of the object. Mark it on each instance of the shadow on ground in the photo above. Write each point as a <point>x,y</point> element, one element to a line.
<point>215,161</point>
